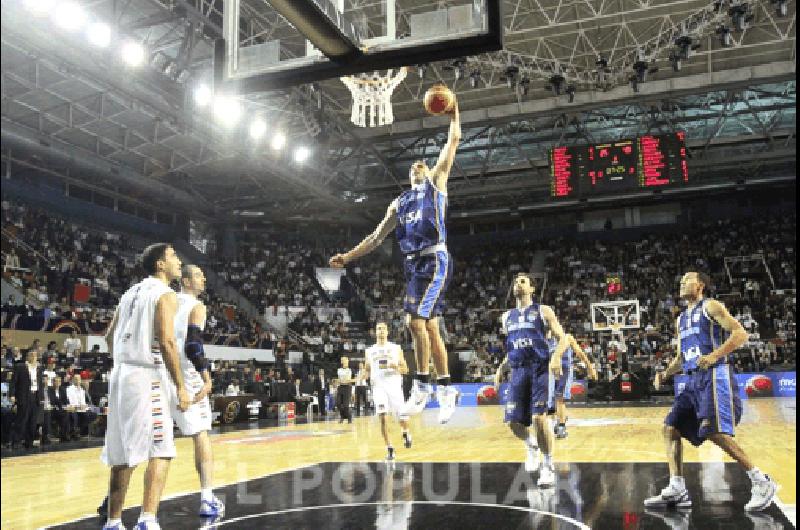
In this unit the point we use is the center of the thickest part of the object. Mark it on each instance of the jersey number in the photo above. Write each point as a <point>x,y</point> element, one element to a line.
<point>413,217</point>
<point>692,353</point>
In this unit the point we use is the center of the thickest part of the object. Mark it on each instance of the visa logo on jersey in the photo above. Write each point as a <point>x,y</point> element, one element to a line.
<point>413,217</point>
<point>524,342</point>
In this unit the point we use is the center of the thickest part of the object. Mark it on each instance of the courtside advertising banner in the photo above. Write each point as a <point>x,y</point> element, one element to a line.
<point>768,384</point>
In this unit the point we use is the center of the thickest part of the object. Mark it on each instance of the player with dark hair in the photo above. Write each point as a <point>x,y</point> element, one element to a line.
<point>708,408</point>
<point>419,216</point>
<point>533,369</point>
<point>139,424</point>
<point>385,366</point>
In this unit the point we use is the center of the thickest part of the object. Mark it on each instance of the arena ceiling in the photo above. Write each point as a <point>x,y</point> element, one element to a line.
<point>74,111</point>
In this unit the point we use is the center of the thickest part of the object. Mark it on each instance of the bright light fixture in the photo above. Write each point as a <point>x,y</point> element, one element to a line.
<point>227,110</point>
<point>202,95</point>
<point>69,16</point>
<point>99,34</point>
<point>278,141</point>
<point>133,53</point>
<point>301,154</point>
<point>257,129</point>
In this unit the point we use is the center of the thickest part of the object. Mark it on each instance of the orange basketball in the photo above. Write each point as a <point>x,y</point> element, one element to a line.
<point>439,100</point>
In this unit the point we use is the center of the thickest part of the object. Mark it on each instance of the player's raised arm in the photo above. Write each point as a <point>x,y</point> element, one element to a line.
<point>441,171</point>
<point>738,336</point>
<point>370,242</point>
<point>558,332</point>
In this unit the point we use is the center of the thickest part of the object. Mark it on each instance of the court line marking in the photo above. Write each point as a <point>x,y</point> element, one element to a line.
<point>457,503</point>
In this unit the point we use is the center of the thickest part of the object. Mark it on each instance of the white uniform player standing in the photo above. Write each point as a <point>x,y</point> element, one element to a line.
<point>385,366</point>
<point>140,398</point>
<point>190,320</point>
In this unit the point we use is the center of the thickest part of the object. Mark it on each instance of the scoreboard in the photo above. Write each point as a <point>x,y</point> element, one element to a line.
<point>644,162</point>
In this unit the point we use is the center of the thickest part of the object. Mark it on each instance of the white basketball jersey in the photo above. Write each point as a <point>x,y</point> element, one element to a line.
<point>134,334</point>
<point>186,303</point>
<point>379,357</point>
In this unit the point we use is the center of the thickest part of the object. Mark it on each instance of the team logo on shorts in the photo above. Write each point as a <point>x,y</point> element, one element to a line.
<point>510,406</point>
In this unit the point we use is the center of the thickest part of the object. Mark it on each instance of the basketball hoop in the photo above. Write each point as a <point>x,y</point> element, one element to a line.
<point>373,93</point>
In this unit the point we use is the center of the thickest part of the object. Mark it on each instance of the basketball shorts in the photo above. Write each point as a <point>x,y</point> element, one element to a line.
<point>427,278</point>
<point>563,388</point>
<point>139,423</point>
<point>389,399</point>
<point>530,391</point>
<point>197,417</point>
<point>708,404</point>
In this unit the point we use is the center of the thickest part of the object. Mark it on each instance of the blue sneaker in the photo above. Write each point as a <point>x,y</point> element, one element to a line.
<point>213,508</point>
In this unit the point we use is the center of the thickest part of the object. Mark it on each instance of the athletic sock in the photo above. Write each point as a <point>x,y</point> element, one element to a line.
<point>422,378</point>
<point>207,494</point>
<point>548,460</point>
<point>677,482</point>
<point>112,522</point>
<point>145,517</point>
<point>444,381</point>
<point>531,442</point>
<point>756,475</point>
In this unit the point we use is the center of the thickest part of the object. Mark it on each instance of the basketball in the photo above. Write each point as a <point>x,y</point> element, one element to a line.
<point>758,386</point>
<point>439,100</point>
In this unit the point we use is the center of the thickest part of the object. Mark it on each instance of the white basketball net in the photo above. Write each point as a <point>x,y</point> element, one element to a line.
<point>373,93</point>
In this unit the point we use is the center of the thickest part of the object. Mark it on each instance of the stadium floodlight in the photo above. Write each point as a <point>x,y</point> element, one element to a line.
<point>99,34</point>
<point>227,110</point>
<point>40,7</point>
<point>258,129</point>
<point>301,154</point>
<point>69,16</point>
<point>132,53</point>
<point>202,95</point>
<point>278,141</point>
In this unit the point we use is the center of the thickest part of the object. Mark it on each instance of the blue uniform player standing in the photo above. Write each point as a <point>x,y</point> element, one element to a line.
<point>419,216</point>
<point>708,408</point>
<point>534,369</point>
<point>563,390</point>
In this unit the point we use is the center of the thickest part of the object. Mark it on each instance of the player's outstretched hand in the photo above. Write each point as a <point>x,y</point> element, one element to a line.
<point>338,261</point>
<point>183,400</point>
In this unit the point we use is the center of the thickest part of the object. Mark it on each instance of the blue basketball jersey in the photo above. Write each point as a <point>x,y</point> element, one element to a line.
<point>566,359</point>
<point>525,340</point>
<point>420,218</point>
<point>699,335</point>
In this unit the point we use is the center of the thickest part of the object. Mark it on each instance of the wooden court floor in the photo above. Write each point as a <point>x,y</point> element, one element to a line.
<point>49,488</point>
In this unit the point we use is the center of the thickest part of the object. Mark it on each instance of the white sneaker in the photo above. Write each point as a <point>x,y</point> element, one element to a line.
<point>420,393</point>
<point>547,476</point>
<point>532,460</point>
<point>670,497</point>
<point>762,494</point>
<point>448,398</point>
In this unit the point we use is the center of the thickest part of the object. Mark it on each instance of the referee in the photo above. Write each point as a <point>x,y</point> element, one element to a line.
<point>343,393</point>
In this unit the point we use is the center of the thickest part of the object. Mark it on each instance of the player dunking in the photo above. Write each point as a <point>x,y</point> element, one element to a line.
<point>533,367</point>
<point>385,367</point>
<point>140,399</point>
<point>419,216</point>
<point>708,408</point>
<point>563,390</point>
